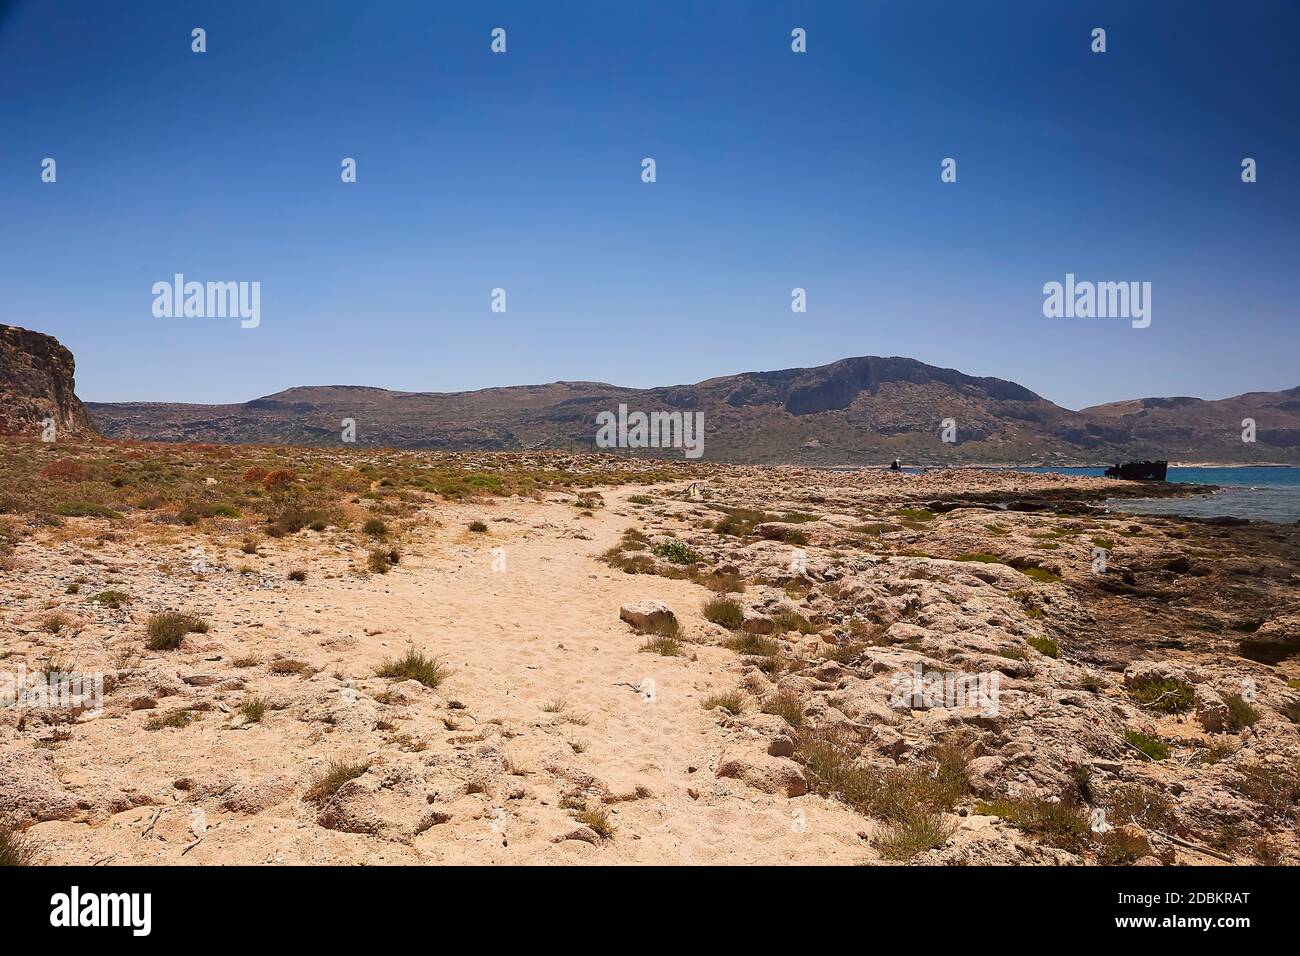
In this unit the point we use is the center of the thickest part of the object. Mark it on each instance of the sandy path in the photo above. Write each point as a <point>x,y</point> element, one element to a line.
<point>543,630</point>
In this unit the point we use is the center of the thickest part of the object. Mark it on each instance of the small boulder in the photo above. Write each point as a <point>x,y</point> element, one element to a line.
<point>645,615</point>
<point>765,773</point>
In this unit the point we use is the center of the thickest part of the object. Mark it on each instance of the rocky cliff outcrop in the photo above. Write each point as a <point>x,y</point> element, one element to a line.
<point>36,383</point>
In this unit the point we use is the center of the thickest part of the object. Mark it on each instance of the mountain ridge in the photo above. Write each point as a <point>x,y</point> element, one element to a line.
<point>863,408</point>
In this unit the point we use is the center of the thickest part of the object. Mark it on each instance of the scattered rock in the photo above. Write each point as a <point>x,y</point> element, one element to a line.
<point>645,615</point>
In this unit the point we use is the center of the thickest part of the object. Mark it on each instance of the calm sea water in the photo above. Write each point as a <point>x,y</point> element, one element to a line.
<point>1261,494</point>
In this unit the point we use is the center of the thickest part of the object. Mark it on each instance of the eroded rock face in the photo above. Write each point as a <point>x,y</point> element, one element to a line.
<point>36,384</point>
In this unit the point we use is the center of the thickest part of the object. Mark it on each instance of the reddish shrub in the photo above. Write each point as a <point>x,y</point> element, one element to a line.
<point>277,479</point>
<point>66,470</point>
<point>255,474</point>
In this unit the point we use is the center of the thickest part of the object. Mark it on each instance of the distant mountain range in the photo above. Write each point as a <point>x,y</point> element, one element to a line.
<point>857,410</point>
<point>852,411</point>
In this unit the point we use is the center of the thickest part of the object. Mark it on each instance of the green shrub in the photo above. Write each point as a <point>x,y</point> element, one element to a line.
<point>1041,575</point>
<point>1153,747</point>
<point>677,552</point>
<point>1055,822</point>
<point>429,671</point>
<point>753,645</point>
<point>725,612</point>
<point>919,831</point>
<point>84,509</point>
<point>664,646</point>
<point>1044,645</point>
<point>1240,713</point>
<point>113,599</point>
<point>1170,696</point>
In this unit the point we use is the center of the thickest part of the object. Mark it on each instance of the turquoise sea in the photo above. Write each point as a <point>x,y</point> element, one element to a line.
<point>1258,493</point>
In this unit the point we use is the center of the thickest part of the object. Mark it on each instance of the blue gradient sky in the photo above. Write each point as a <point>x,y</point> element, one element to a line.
<point>775,170</point>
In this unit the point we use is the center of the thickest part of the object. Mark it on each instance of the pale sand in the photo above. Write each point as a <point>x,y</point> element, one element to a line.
<point>546,629</point>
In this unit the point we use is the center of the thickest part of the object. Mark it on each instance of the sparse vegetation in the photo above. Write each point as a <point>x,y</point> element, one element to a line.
<point>478,527</point>
<point>1057,823</point>
<point>790,621</point>
<point>111,599</point>
<point>167,629</point>
<point>979,557</point>
<point>724,611</point>
<point>329,780</point>
<point>598,820</point>
<point>429,671</point>
<point>754,645</point>
<point>910,798</point>
<point>253,709</point>
<point>380,560</point>
<point>56,622</point>
<point>733,702</point>
<point>1121,847</point>
<point>1149,809</point>
<point>1092,683</point>
<point>16,849</point>
<point>786,705</point>
<point>1041,575</point>
<point>663,627</point>
<point>664,646</point>
<point>916,833</point>
<point>1170,695</point>
<point>1240,713</point>
<point>289,666</point>
<point>1152,747</point>
<point>678,552</point>
<point>175,718</point>
<point>1044,645</point>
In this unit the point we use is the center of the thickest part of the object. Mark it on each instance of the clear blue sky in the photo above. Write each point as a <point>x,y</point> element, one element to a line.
<point>775,170</point>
